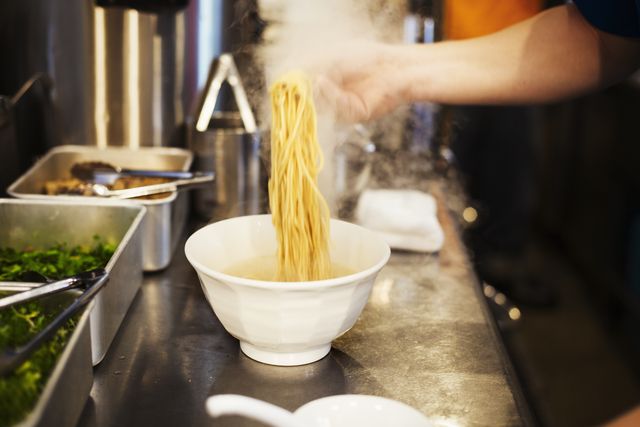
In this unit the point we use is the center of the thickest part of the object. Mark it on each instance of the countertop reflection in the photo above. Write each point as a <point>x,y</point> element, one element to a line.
<point>425,338</point>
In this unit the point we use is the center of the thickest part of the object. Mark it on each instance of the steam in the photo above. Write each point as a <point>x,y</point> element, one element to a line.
<point>300,33</point>
<point>310,29</point>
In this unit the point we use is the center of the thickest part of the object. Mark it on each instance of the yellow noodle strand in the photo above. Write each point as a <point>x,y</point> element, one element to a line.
<point>299,212</point>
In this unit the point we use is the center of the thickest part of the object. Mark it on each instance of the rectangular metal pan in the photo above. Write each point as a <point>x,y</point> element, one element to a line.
<point>42,224</point>
<point>67,388</point>
<point>165,218</point>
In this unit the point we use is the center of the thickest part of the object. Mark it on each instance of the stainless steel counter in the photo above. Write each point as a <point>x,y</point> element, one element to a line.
<point>425,338</point>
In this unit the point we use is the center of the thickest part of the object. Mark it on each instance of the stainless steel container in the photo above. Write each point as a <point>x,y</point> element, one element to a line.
<point>126,71</point>
<point>138,73</point>
<point>237,158</point>
<point>40,224</point>
<point>67,388</point>
<point>165,218</point>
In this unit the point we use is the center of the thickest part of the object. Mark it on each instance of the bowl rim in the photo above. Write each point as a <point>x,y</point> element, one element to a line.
<point>333,282</point>
<point>365,401</point>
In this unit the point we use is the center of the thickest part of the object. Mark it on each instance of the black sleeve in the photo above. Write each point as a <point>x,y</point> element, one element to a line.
<point>618,17</point>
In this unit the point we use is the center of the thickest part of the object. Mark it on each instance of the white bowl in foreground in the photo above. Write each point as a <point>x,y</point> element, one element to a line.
<point>284,323</point>
<point>360,410</point>
<point>344,410</point>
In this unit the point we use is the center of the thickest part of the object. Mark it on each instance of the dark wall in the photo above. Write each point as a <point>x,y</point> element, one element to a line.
<point>588,181</point>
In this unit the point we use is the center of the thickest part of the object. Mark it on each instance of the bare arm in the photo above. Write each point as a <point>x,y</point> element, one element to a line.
<point>554,55</point>
<point>628,419</point>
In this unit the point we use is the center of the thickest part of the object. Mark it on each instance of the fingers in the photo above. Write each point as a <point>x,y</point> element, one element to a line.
<point>347,106</point>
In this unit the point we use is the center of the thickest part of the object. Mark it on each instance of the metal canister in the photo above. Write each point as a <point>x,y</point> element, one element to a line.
<point>240,164</point>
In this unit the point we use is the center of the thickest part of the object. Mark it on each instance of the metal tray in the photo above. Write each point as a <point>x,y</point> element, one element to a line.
<point>42,223</point>
<point>165,218</point>
<point>67,388</point>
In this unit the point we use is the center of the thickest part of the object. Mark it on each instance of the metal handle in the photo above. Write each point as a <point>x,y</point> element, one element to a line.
<point>224,69</point>
<point>148,190</point>
<point>42,79</point>
<point>9,360</point>
<point>51,288</point>
<point>241,98</point>
<point>157,174</point>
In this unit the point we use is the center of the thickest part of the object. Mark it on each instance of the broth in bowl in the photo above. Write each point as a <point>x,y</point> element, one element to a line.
<point>265,268</point>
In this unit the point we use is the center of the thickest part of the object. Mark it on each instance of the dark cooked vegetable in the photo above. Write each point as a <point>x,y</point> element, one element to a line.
<point>56,262</point>
<point>77,187</point>
<point>20,390</point>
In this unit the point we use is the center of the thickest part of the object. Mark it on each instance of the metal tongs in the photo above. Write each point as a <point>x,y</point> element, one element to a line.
<point>198,178</point>
<point>224,69</point>
<point>92,282</point>
<point>107,174</point>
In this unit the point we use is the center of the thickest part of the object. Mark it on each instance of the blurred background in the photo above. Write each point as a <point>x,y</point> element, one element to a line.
<point>549,195</point>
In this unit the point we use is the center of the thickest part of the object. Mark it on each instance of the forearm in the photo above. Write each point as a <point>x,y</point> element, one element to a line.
<point>628,419</point>
<point>551,56</point>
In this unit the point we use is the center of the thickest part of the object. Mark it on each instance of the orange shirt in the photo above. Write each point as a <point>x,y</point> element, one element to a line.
<point>473,18</point>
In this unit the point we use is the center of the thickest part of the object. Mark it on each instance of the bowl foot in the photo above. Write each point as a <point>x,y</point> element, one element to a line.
<point>285,359</point>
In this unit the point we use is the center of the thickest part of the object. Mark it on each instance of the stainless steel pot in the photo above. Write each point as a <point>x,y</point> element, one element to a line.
<point>237,158</point>
<point>125,71</point>
<point>230,145</point>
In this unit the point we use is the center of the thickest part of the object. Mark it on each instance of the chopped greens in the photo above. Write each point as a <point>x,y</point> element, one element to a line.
<point>56,262</point>
<point>20,390</point>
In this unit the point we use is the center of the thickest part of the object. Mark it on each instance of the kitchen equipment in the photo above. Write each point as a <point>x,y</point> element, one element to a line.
<point>344,410</point>
<point>230,144</point>
<point>238,160</point>
<point>82,279</point>
<point>166,217</point>
<point>92,283</point>
<point>27,127</point>
<point>105,173</point>
<point>149,190</point>
<point>126,72</point>
<point>224,69</point>
<point>66,390</point>
<point>351,170</point>
<point>428,127</point>
<point>289,323</point>
<point>45,223</point>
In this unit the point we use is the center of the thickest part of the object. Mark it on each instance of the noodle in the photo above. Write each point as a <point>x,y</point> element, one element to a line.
<point>299,212</point>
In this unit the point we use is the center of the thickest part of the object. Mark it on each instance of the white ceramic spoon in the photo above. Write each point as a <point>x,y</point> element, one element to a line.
<point>351,410</point>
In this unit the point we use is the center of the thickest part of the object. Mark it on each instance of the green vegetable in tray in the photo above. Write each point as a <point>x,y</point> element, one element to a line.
<point>56,262</point>
<point>20,390</point>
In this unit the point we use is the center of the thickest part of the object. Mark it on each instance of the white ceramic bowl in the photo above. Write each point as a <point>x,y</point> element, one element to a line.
<point>360,410</point>
<point>345,410</point>
<point>284,323</point>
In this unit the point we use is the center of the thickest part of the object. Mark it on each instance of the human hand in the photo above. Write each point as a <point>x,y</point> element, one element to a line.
<point>359,82</point>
